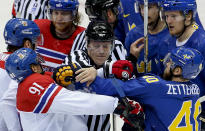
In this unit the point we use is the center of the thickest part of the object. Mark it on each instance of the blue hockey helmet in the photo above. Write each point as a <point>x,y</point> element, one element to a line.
<point>189,59</point>
<point>65,5</point>
<point>18,63</point>
<point>180,5</point>
<point>17,29</point>
<point>149,1</point>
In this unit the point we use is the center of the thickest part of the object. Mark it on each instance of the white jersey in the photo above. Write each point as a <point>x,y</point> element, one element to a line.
<point>9,119</point>
<point>30,9</point>
<point>4,80</point>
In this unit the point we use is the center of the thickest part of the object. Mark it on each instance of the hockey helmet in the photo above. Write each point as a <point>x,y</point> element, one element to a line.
<point>180,5</point>
<point>64,5</point>
<point>99,31</point>
<point>190,60</point>
<point>18,63</point>
<point>17,29</point>
<point>97,8</point>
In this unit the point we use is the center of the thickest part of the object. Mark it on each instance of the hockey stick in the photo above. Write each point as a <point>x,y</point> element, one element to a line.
<point>122,97</point>
<point>124,101</point>
<point>146,35</point>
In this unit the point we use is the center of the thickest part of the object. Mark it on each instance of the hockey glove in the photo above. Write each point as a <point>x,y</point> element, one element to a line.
<point>122,69</point>
<point>65,75</point>
<point>134,116</point>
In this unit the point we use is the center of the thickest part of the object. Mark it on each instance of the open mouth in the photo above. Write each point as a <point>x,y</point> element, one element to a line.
<point>171,27</point>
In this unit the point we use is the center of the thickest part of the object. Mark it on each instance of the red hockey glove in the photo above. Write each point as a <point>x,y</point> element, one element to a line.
<point>122,69</point>
<point>134,116</point>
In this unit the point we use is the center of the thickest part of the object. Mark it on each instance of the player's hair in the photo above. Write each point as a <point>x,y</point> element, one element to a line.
<point>65,5</point>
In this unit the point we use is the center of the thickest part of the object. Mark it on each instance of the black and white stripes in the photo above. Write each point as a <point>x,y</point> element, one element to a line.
<point>119,52</point>
<point>79,54</point>
<point>31,9</point>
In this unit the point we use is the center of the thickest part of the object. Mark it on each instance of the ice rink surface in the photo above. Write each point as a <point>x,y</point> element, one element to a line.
<point>5,15</point>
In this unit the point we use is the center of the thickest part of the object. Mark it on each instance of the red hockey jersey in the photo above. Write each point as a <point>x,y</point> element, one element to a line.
<point>38,93</point>
<point>54,50</point>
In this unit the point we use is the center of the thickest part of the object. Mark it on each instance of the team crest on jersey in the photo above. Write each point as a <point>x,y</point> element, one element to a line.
<point>24,23</point>
<point>21,56</point>
<point>187,56</point>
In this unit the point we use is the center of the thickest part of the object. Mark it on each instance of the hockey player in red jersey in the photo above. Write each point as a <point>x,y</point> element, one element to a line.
<point>18,33</point>
<point>39,94</point>
<point>59,31</point>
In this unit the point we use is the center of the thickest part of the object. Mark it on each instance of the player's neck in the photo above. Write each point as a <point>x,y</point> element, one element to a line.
<point>179,79</point>
<point>187,33</point>
<point>160,26</point>
<point>65,34</point>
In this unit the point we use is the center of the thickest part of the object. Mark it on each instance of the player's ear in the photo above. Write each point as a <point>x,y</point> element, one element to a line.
<point>110,13</point>
<point>27,44</point>
<point>188,19</point>
<point>34,68</point>
<point>177,71</point>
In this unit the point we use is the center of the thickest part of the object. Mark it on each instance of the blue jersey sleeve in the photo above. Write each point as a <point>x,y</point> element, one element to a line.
<point>135,88</point>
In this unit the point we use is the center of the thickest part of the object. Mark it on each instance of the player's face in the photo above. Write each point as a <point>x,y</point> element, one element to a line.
<point>62,19</point>
<point>175,22</point>
<point>111,17</point>
<point>36,68</point>
<point>153,15</point>
<point>99,51</point>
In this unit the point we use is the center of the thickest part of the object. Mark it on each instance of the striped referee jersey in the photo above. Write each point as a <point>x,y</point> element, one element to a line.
<point>30,9</point>
<point>79,54</point>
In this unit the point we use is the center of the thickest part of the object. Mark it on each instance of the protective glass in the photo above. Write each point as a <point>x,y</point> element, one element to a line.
<point>169,16</point>
<point>99,46</point>
<point>39,59</point>
<point>38,40</point>
<point>61,16</point>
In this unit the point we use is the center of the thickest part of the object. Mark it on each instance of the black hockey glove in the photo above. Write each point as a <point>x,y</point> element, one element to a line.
<point>133,115</point>
<point>65,75</point>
